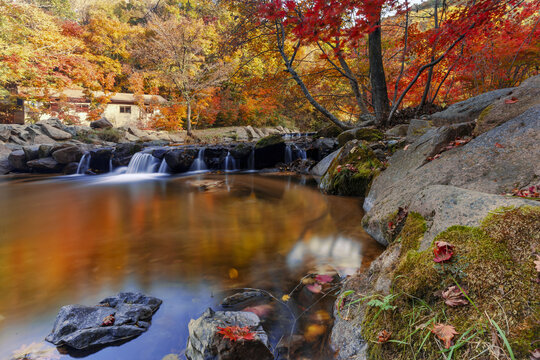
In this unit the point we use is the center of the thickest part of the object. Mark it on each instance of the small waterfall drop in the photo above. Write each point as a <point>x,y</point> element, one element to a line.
<point>163,168</point>
<point>288,154</point>
<point>142,163</point>
<point>199,164</point>
<point>111,167</point>
<point>300,153</point>
<point>251,160</point>
<point>84,164</point>
<point>230,163</point>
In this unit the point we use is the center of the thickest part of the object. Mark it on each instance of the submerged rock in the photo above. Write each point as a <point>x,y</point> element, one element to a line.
<point>205,343</point>
<point>118,318</point>
<point>269,151</point>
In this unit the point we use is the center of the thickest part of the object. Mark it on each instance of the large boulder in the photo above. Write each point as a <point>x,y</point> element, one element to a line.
<point>514,104</point>
<point>102,123</point>
<point>180,160</point>
<point>495,162</point>
<point>119,318</point>
<point>417,128</point>
<point>205,343</point>
<point>68,154</point>
<point>17,160</point>
<point>469,109</point>
<point>269,151</point>
<point>5,166</point>
<point>124,152</point>
<point>5,133</point>
<point>54,132</point>
<point>31,152</point>
<point>351,171</point>
<point>45,165</point>
<point>322,166</point>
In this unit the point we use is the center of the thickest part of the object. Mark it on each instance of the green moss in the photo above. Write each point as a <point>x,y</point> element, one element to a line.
<point>331,131</point>
<point>413,232</point>
<point>351,173</point>
<point>269,140</point>
<point>111,135</point>
<point>481,117</point>
<point>492,262</point>
<point>366,134</point>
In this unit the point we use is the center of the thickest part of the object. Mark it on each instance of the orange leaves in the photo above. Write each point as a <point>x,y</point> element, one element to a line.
<point>443,251</point>
<point>497,145</point>
<point>445,333</point>
<point>236,333</point>
<point>383,336</point>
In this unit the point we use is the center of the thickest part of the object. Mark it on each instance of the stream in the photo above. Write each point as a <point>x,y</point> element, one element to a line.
<point>78,239</point>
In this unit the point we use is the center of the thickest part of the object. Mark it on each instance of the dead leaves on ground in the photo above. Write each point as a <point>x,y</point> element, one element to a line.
<point>453,144</point>
<point>453,296</point>
<point>400,218</point>
<point>445,333</point>
<point>383,336</point>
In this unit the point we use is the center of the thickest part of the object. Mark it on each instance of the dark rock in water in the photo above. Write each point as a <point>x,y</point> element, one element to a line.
<point>214,157</point>
<point>102,123</point>
<point>71,168</point>
<point>68,154</point>
<point>244,296</point>
<point>45,165</point>
<point>269,152</point>
<point>124,152</point>
<point>17,160</point>
<point>160,153</point>
<point>180,160</point>
<point>205,343</point>
<point>321,148</point>
<point>100,159</point>
<point>119,318</point>
<point>301,166</point>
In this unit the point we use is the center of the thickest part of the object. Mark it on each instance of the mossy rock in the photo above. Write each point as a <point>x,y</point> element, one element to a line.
<point>493,262</point>
<point>352,171</point>
<point>366,134</point>
<point>331,131</point>
<point>269,141</point>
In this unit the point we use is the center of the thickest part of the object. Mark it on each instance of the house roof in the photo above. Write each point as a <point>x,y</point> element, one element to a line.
<point>78,95</point>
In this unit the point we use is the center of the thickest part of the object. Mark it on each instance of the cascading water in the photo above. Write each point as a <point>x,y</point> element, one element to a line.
<point>111,167</point>
<point>230,163</point>
<point>251,160</point>
<point>84,164</point>
<point>199,164</point>
<point>142,163</point>
<point>300,153</point>
<point>163,168</point>
<point>288,154</point>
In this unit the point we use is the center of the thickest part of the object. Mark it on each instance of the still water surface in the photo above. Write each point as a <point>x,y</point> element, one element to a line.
<point>79,239</point>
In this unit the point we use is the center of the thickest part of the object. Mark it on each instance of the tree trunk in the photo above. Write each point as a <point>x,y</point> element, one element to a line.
<point>354,84</point>
<point>188,120</point>
<point>378,80</point>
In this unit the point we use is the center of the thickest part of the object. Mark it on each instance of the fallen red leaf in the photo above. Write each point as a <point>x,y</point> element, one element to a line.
<point>453,296</point>
<point>235,333</point>
<point>324,279</point>
<point>445,332</point>
<point>108,321</point>
<point>314,288</point>
<point>497,145</point>
<point>513,100</point>
<point>443,251</point>
<point>383,336</point>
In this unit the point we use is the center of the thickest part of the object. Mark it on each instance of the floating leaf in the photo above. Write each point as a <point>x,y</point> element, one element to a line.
<point>108,321</point>
<point>260,310</point>
<point>314,288</point>
<point>453,296</point>
<point>445,332</point>
<point>233,273</point>
<point>314,331</point>
<point>235,333</point>
<point>443,251</point>
<point>324,279</point>
<point>285,298</point>
<point>383,336</point>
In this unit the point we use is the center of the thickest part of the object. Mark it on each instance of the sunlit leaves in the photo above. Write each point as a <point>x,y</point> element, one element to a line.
<point>236,333</point>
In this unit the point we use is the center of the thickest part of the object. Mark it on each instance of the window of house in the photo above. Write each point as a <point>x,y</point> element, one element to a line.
<point>125,109</point>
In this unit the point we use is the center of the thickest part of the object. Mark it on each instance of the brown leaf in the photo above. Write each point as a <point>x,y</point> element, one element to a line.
<point>497,145</point>
<point>445,332</point>
<point>454,297</point>
<point>108,321</point>
<point>537,263</point>
<point>383,336</point>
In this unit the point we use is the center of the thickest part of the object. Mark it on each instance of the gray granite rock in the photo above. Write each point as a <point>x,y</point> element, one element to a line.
<point>82,327</point>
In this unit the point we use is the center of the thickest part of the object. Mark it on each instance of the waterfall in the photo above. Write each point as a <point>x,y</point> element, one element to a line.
<point>163,168</point>
<point>142,163</point>
<point>199,164</point>
<point>251,160</point>
<point>230,163</point>
<point>300,153</point>
<point>111,168</point>
<point>84,164</point>
<point>288,154</point>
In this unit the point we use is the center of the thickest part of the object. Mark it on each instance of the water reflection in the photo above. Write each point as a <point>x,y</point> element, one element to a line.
<point>78,240</point>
